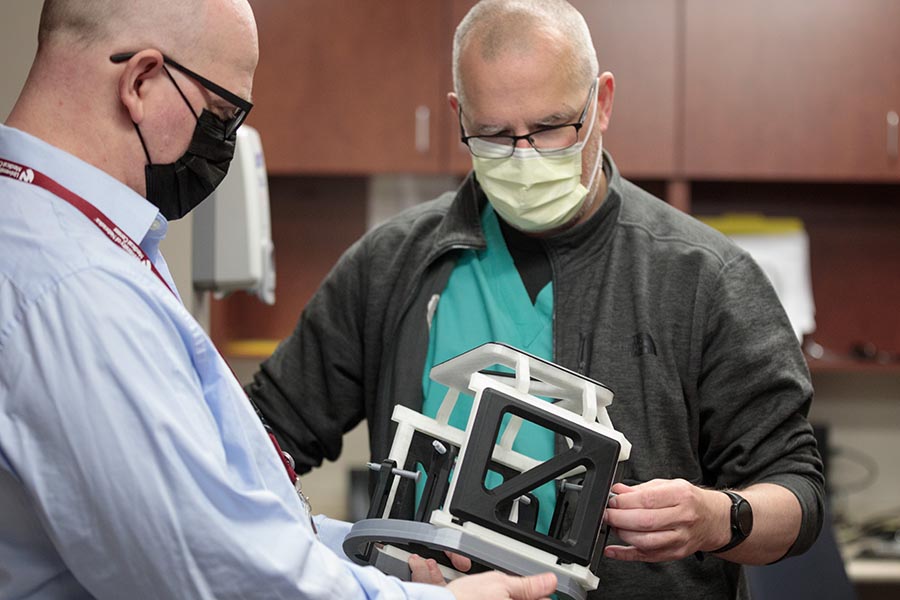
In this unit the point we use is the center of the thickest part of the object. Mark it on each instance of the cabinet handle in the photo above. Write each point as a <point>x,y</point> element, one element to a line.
<point>423,122</point>
<point>892,122</point>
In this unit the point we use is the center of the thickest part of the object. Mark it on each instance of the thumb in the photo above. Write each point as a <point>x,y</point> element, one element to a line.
<point>532,587</point>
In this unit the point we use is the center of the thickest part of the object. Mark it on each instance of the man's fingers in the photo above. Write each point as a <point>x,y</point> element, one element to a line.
<point>632,553</point>
<point>532,587</point>
<point>418,569</point>
<point>622,553</point>
<point>646,495</point>
<point>460,562</point>
<point>621,488</point>
<point>650,541</point>
<point>434,571</point>
<point>643,519</point>
<point>424,571</point>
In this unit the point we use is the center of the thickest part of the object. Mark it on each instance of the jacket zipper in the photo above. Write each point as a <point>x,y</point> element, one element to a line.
<point>384,374</point>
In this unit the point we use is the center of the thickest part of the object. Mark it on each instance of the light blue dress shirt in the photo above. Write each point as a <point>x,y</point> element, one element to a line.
<point>131,463</point>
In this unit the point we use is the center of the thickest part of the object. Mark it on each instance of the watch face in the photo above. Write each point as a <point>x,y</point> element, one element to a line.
<point>744,517</point>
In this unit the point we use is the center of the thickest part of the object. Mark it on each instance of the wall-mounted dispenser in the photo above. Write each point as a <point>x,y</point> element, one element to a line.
<point>233,247</point>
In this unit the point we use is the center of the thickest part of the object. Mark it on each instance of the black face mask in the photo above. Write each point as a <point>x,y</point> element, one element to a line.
<point>177,188</point>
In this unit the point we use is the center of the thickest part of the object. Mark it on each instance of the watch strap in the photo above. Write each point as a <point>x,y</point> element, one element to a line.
<point>737,536</point>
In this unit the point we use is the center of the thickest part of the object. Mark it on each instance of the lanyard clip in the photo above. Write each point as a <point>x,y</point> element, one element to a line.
<point>286,459</point>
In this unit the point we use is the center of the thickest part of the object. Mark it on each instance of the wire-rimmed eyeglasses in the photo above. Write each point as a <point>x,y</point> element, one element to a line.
<point>546,140</point>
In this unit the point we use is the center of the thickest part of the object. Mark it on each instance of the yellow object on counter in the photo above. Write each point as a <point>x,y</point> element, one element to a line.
<point>732,224</point>
<point>251,348</point>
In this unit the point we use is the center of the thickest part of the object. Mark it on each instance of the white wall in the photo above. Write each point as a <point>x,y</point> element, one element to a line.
<point>18,43</point>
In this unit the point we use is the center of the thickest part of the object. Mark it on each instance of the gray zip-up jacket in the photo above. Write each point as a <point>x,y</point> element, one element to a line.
<point>709,381</point>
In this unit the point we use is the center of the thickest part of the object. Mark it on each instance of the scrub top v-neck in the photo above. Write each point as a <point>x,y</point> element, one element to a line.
<point>486,301</point>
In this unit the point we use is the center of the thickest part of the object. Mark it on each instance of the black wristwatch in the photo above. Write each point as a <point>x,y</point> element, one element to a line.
<point>741,521</point>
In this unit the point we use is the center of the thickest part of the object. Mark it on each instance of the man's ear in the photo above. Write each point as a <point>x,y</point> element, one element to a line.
<point>140,69</point>
<point>453,99</point>
<point>605,94</point>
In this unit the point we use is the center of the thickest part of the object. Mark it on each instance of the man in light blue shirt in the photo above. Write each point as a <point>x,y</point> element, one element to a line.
<point>131,463</point>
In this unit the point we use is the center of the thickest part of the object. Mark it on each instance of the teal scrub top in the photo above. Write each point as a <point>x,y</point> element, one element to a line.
<point>486,301</point>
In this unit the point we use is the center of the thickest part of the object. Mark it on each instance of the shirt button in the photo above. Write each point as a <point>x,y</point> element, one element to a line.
<point>155,225</point>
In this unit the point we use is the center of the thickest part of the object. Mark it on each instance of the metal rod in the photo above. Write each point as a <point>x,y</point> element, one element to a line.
<point>414,475</point>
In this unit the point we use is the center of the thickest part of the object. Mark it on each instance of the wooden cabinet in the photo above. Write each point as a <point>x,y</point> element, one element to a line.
<point>348,87</point>
<point>456,153</point>
<point>636,41</point>
<point>763,90</point>
<point>789,108</point>
<point>792,89</point>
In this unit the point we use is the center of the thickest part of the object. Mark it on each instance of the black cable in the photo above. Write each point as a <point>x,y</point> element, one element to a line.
<point>860,458</point>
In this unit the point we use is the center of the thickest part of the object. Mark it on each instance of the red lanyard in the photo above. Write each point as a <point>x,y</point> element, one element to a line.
<point>111,230</point>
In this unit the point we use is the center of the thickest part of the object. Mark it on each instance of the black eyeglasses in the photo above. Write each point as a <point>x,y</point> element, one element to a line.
<point>547,140</point>
<point>241,107</point>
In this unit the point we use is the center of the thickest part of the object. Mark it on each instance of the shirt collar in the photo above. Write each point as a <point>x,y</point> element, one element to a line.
<point>130,211</point>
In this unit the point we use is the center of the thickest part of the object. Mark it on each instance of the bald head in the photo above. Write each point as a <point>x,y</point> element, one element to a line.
<point>91,23</point>
<point>78,100</point>
<point>497,28</point>
<point>177,27</point>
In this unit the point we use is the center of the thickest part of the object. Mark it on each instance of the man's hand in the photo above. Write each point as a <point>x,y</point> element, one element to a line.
<point>490,586</point>
<point>497,586</point>
<point>666,520</point>
<point>427,571</point>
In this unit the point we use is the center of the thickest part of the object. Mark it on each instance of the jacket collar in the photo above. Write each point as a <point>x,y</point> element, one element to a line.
<point>461,226</point>
<point>593,234</point>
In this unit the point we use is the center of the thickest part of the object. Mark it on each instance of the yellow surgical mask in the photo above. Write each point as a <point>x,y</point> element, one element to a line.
<point>536,192</point>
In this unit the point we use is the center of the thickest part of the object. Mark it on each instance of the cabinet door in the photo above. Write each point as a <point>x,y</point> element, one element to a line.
<point>792,89</point>
<point>636,41</point>
<point>348,87</point>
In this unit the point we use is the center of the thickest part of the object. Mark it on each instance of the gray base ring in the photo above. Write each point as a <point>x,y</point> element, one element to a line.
<point>400,532</point>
